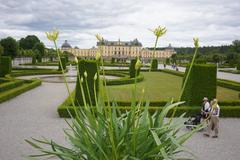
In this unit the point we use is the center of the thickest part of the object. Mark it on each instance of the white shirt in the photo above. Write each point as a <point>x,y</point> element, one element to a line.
<point>207,107</point>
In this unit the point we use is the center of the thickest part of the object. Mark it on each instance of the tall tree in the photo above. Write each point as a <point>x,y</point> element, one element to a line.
<point>236,46</point>
<point>28,42</point>
<point>216,58</point>
<point>40,48</point>
<point>1,50</point>
<point>10,46</point>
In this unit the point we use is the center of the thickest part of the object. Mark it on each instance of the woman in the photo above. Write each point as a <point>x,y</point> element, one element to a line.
<point>214,119</point>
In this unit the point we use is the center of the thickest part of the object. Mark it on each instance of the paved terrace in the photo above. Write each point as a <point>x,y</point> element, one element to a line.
<point>33,114</point>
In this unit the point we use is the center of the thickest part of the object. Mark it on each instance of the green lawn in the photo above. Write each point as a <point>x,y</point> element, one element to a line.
<point>161,86</point>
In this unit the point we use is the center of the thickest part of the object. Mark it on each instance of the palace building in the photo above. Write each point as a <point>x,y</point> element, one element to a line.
<point>120,50</point>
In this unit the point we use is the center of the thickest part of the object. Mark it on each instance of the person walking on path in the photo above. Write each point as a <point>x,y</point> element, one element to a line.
<point>205,108</point>
<point>214,119</point>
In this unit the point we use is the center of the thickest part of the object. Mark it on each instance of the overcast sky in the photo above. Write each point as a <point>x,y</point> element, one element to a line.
<point>215,22</point>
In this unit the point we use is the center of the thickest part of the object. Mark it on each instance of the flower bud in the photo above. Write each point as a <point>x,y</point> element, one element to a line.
<point>143,90</point>
<point>138,64</point>
<point>159,31</point>
<point>196,42</point>
<point>76,59</point>
<point>52,35</point>
<point>81,80</point>
<point>85,74</point>
<point>95,77</point>
<point>98,55</point>
<point>99,37</point>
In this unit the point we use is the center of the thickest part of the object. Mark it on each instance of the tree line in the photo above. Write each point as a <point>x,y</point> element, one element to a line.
<point>30,46</point>
<point>225,54</point>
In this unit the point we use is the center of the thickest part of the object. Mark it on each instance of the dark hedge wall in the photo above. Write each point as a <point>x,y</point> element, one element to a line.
<point>90,66</point>
<point>202,82</point>
<point>5,65</point>
<point>63,60</point>
<point>132,70</point>
<point>154,65</point>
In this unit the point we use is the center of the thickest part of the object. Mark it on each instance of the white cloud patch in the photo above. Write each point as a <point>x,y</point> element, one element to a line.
<point>215,22</point>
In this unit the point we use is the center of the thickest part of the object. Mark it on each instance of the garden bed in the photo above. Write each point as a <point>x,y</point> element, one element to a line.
<point>159,89</point>
<point>16,87</point>
<point>231,71</point>
<point>33,71</point>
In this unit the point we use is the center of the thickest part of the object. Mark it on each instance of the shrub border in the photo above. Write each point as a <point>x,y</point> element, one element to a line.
<point>230,71</point>
<point>19,90</point>
<point>228,109</point>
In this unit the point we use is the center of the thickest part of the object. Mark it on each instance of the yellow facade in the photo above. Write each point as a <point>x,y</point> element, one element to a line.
<point>120,50</point>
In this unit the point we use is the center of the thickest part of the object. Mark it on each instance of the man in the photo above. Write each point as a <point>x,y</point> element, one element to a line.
<point>205,108</point>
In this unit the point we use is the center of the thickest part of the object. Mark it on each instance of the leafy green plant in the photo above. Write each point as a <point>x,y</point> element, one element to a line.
<point>106,132</point>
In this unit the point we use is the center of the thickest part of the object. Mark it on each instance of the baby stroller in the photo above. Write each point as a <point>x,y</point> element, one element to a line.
<point>193,121</point>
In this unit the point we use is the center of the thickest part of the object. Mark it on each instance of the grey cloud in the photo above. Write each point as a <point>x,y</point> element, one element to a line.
<point>215,22</point>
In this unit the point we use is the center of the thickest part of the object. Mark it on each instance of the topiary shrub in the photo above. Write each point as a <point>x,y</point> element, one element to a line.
<point>51,59</point>
<point>5,65</point>
<point>113,60</point>
<point>202,82</point>
<point>90,66</point>
<point>34,60</point>
<point>132,70</point>
<point>66,57</point>
<point>238,66</point>
<point>167,61</point>
<point>154,65</point>
<point>201,61</point>
<point>63,60</point>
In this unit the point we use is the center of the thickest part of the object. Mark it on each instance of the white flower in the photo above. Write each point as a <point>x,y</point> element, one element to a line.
<point>52,35</point>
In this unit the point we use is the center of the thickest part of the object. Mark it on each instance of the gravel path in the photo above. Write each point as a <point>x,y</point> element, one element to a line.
<point>33,114</point>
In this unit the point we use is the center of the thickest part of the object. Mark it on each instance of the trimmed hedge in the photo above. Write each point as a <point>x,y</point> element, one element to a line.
<point>229,103</point>
<point>2,80</point>
<point>230,71</point>
<point>63,60</point>
<point>238,66</point>
<point>90,66</point>
<point>34,60</point>
<point>35,72</point>
<point>132,70</point>
<point>29,84</point>
<point>154,65</point>
<point>220,82</point>
<point>230,110</point>
<point>202,82</point>
<point>226,111</point>
<point>39,59</point>
<point>10,85</point>
<point>228,84</point>
<point>5,65</point>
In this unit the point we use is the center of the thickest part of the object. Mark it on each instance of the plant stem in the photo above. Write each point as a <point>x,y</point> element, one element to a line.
<point>185,81</point>
<point>154,50</point>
